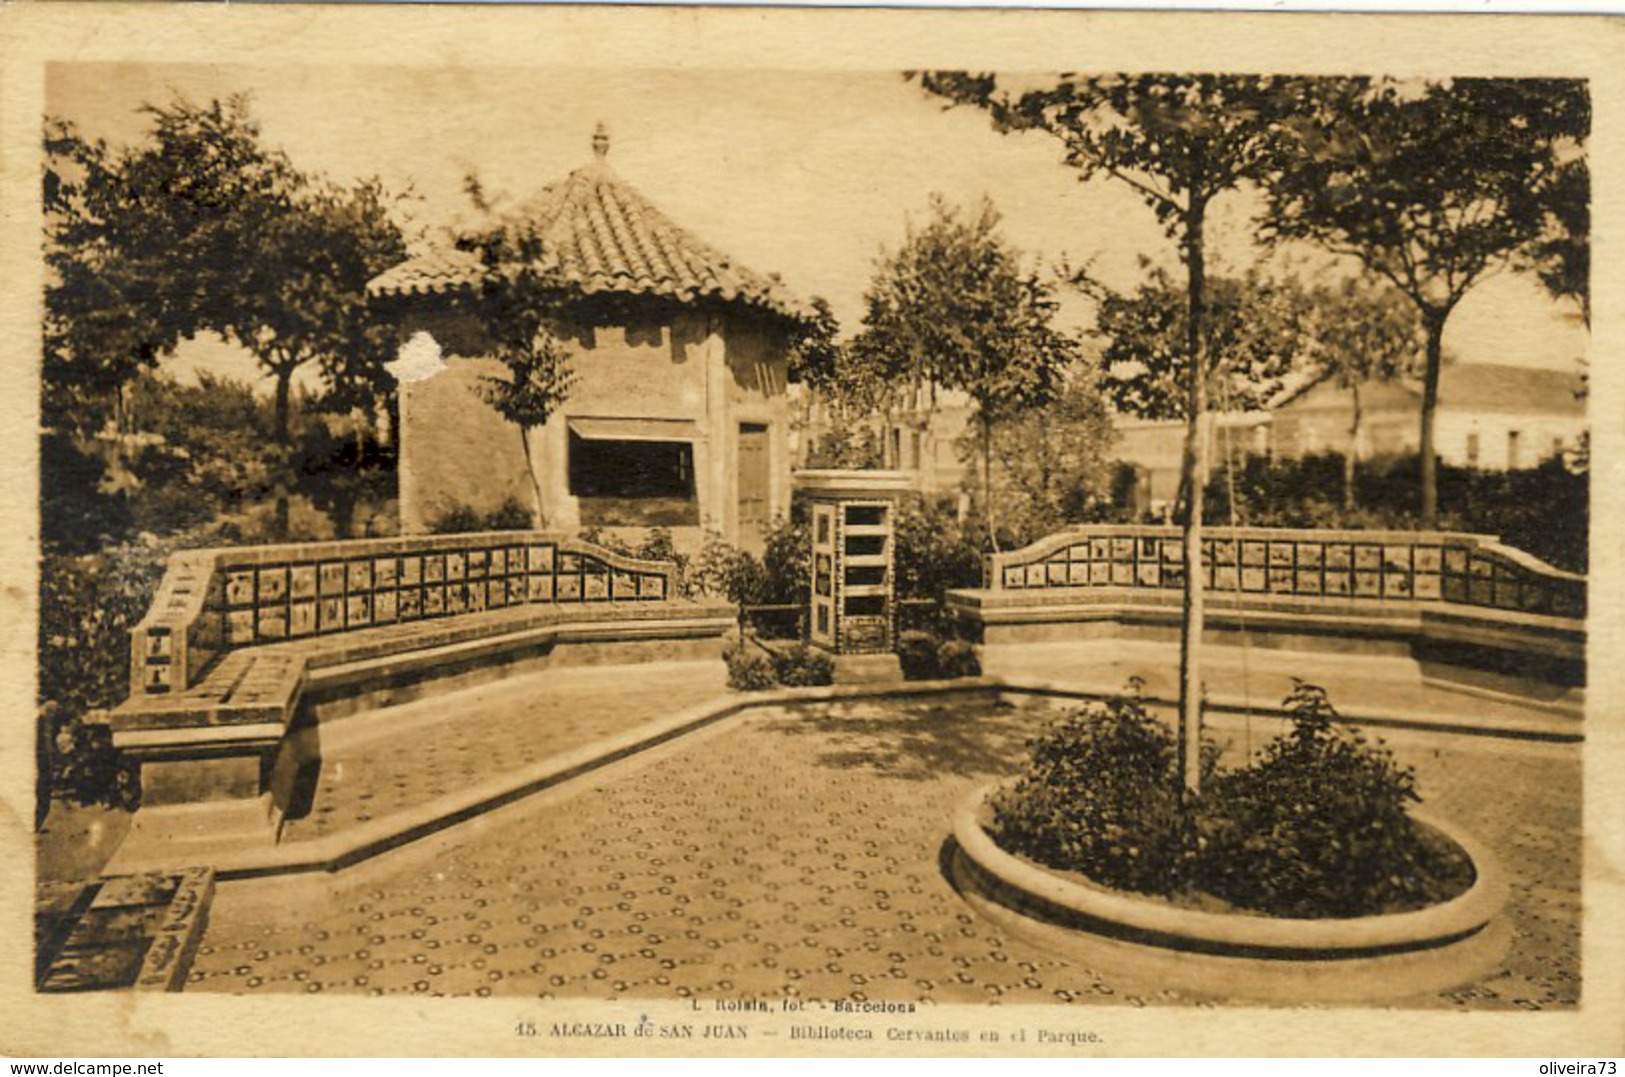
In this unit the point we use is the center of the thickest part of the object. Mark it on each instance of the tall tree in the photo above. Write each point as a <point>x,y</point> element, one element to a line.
<point>1251,336</point>
<point>113,304</point>
<point>519,318</point>
<point>1432,187</point>
<point>1561,254</point>
<point>953,307</point>
<point>1177,141</point>
<point>1053,459</point>
<point>203,226</point>
<point>1360,332</point>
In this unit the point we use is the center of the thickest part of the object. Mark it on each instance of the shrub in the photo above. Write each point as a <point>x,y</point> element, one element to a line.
<point>749,668</point>
<point>800,665</point>
<point>917,654</point>
<point>925,656</point>
<point>957,658</point>
<point>456,520</point>
<point>1102,797</point>
<point>787,560</point>
<point>933,552</point>
<point>1542,510</point>
<point>510,515</point>
<point>87,607</point>
<point>1317,827</point>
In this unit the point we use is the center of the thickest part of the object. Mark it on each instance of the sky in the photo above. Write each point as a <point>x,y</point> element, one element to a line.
<point>806,174</point>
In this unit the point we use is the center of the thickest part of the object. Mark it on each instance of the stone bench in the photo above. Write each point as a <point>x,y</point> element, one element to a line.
<point>1464,606</point>
<point>245,649</point>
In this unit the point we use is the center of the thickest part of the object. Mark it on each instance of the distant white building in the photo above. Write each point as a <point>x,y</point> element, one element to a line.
<point>1494,417</point>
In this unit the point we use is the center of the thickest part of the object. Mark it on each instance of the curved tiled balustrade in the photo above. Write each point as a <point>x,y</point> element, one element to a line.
<point>215,601</point>
<point>1466,601</point>
<point>1369,566</point>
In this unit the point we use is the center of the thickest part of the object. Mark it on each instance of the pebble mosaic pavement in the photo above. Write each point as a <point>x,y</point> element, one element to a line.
<point>796,853</point>
<point>501,728</point>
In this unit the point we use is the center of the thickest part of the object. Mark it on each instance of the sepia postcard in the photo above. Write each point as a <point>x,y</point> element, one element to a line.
<point>576,530</point>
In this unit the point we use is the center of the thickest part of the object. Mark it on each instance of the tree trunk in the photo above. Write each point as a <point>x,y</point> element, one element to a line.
<point>987,479</point>
<point>1349,498</point>
<point>1193,465</point>
<point>1434,320</point>
<point>284,380</point>
<point>535,482</point>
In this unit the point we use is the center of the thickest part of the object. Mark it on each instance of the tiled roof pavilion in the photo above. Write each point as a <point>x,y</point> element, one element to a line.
<point>599,236</point>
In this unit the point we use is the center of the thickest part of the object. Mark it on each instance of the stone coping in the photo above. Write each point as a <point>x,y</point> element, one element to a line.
<point>234,693</point>
<point>1542,634</point>
<point>1224,531</point>
<point>162,914</point>
<point>337,851</point>
<point>341,549</point>
<point>1124,915</point>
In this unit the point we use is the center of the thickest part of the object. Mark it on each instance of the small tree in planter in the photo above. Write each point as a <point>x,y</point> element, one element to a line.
<point>537,376</point>
<point>1317,827</point>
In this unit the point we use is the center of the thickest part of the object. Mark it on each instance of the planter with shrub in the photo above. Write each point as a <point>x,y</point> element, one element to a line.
<point>1303,875</point>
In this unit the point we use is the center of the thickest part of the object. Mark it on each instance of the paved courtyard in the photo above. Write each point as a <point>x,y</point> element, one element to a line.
<point>798,853</point>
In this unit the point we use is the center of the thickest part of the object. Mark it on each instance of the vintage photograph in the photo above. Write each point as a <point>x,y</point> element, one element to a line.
<point>814,557</point>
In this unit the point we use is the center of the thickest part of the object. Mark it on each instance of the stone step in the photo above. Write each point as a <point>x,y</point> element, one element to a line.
<point>393,760</point>
<point>1238,678</point>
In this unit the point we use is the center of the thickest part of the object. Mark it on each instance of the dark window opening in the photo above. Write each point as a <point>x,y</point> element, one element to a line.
<point>633,483</point>
<point>865,515</point>
<point>865,606</point>
<point>865,545</point>
<point>865,575</point>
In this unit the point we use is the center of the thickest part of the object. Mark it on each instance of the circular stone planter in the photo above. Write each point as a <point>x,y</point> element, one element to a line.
<point>1239,956</point>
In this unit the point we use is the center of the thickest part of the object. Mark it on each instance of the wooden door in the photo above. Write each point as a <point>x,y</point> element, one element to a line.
<point>755,485</point>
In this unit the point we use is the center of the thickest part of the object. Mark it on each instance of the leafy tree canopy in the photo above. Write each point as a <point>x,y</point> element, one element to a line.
<point>202,226</point>
<point>953,307</point>
<point>1252,335</point>
<point>1361,330</point>
<point>1430,187</point>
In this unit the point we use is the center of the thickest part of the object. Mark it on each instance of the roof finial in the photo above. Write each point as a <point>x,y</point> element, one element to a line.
<point>600,141</point>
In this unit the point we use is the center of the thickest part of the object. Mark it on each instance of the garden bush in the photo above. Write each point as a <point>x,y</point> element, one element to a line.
<point>917,654</point>
<point>510,515</point>
<point>1102,797</point>
<point>799,666</point>
<point>88,605</point>
<point>1317,827</point>
<point>1542,510</point>
<point>926,656</point>
<point>934,553</point>
<point>749,668</point>
<point>957,658</point>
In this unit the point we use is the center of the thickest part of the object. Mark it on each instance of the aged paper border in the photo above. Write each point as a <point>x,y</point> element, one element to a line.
<point>32,35</point>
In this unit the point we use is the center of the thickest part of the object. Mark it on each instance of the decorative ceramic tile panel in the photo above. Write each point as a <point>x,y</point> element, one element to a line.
<point>273,585</point>
<point>386,573</point>
<point>273,624</point>
<point>240,627</point>
<point>302,619</point>
<point>330,615</point>
<point>240,588</point>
